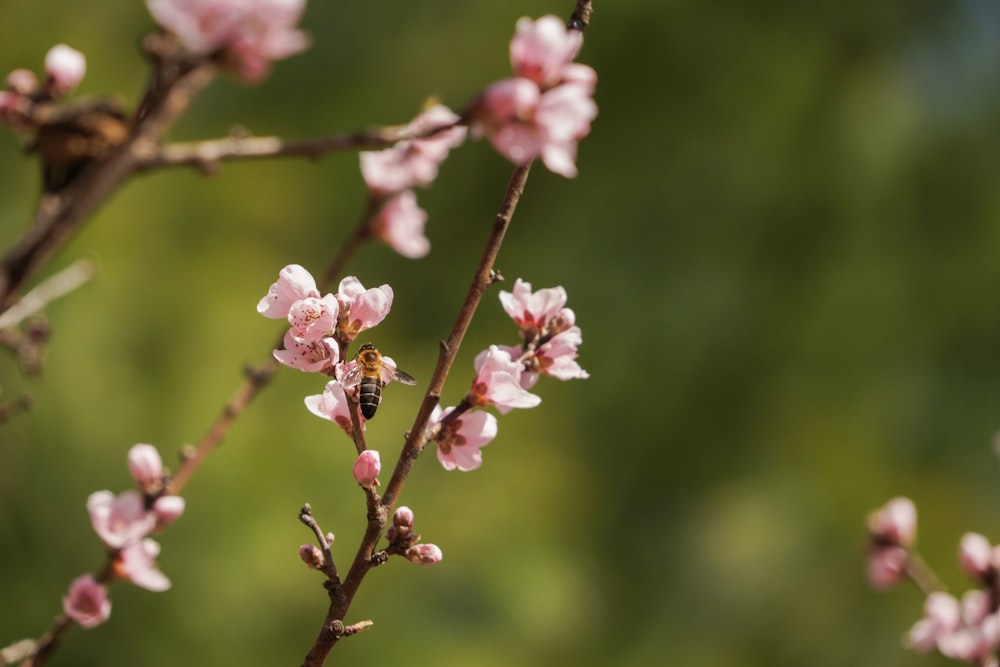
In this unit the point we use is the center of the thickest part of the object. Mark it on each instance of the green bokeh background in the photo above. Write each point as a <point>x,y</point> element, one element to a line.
<point>782,250</point>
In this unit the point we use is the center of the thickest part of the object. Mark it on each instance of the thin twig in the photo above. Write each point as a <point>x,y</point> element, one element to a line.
<point>50,289</point>
<point>417,437</point>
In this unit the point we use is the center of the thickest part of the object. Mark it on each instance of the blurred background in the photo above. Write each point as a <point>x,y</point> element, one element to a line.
<point>782,251</point>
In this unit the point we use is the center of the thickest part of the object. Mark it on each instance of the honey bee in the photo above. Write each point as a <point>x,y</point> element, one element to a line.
<point>370,374</point>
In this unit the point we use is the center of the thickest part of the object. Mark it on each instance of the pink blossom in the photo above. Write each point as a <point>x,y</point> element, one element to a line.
<point>459,441</point>
<point>315,356</point>
<point>120,520</point>
<point>424,554</point>
<point>975,555</point>
<point>137,563</point>
<point>413,162</point>
<point>294,284</point>
<point>87,602</point>
<point>367,467</point>
<point>498,380</point>
<point>361,308</point>
<point>887,566</point>
<point>253,33</point>
<point>895,522</point>
<point>332,404</point>
<point>400,223</point>
<point>542,49</point>
<point>942,615</point>
<point>532,310</point>
<point>313,317</point>
<point>556,358</point>
<point>65,68</point>
<point>524,123</point>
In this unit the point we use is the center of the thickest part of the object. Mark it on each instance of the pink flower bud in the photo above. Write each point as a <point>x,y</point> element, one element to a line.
<point>887,567</point>
<point>65,67</point>
<point>87,602</point>
<point>367,467</point>
<point>312,556</point>
<point>975,554</point>
<point>895,522</point>
<point>402,519</point>
<point>167,509</point>
<point>22,82</point>
<point>146,466</point>
<point>424,554</point>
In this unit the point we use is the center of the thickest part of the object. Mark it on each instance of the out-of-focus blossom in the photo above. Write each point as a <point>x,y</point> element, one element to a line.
<point>459,441</point>
<point>400,223</point>
<point>887,566</point>
<point>361,308</point>
<point>332,404</point>
<point>942,615</point>
<point>424,554</point>
<point>975,555</point>
<point>65,68</point>
<point>87,602</point>
<point>146,466</point>
<point>313,318</point>
<point>965,631</point>
<point>315,356</point>
<point>294,284</point>
<point>413,162</point>
<point>120,520</point>
<point>542,49</point>
<point>167,509</point>
<point>895,522</point>
<point>367,467</point>
<point>251,33</point>
<point>22,81</point>
<point>137,563</point>
<point>498,382</point>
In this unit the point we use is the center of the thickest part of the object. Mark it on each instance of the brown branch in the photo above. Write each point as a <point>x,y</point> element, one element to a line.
<point>61,213</point>
<point>580,18</point>
<point>416,439</point>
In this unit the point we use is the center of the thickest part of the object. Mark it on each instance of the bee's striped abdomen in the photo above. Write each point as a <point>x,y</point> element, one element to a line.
<point>369,396</point>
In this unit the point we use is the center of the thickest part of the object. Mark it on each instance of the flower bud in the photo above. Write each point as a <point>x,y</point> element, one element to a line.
<point>367,467</point>
<point>22,81</point>
<point>146,466</point>
<point>65,67</point>
<point>895,522</point>
<point>402,520</point>
<point>167,508</point>
<point>975,555</point>
<point>424,554</point>
<point>312,556</point>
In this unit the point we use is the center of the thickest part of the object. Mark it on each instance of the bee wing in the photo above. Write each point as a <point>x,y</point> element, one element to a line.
<point>351,377</point>
<point>390,373</point>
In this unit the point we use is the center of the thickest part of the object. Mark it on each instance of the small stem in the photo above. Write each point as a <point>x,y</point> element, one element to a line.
<point>921,574</point>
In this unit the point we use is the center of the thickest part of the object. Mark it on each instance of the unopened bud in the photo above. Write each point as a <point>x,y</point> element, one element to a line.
<point>167,508</point>
<point>65,67</point>
<point>312,556</point>
<point>424,554</point>
<point>975,555</point>
<point>329,538</point>
<point>22,81</point>
<point>402,520</point>
<point>367,467</point>
<point>146,466</point>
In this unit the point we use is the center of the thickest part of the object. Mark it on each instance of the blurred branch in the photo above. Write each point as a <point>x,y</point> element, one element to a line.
<point>61,213</point>
<point>50,289</point>
<point>207,154</point>
<point>20,404</point>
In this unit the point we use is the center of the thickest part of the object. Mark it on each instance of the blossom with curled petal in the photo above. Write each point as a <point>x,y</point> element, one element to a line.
<point>459,441</point>
<point>361,308</point>
<point>137,563</point>
<point>294,284</point>
<point>498,382</point>
<point>309,356</point>
<point>87,602</point>
<point>332,404</point>
<point>120,520</point>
